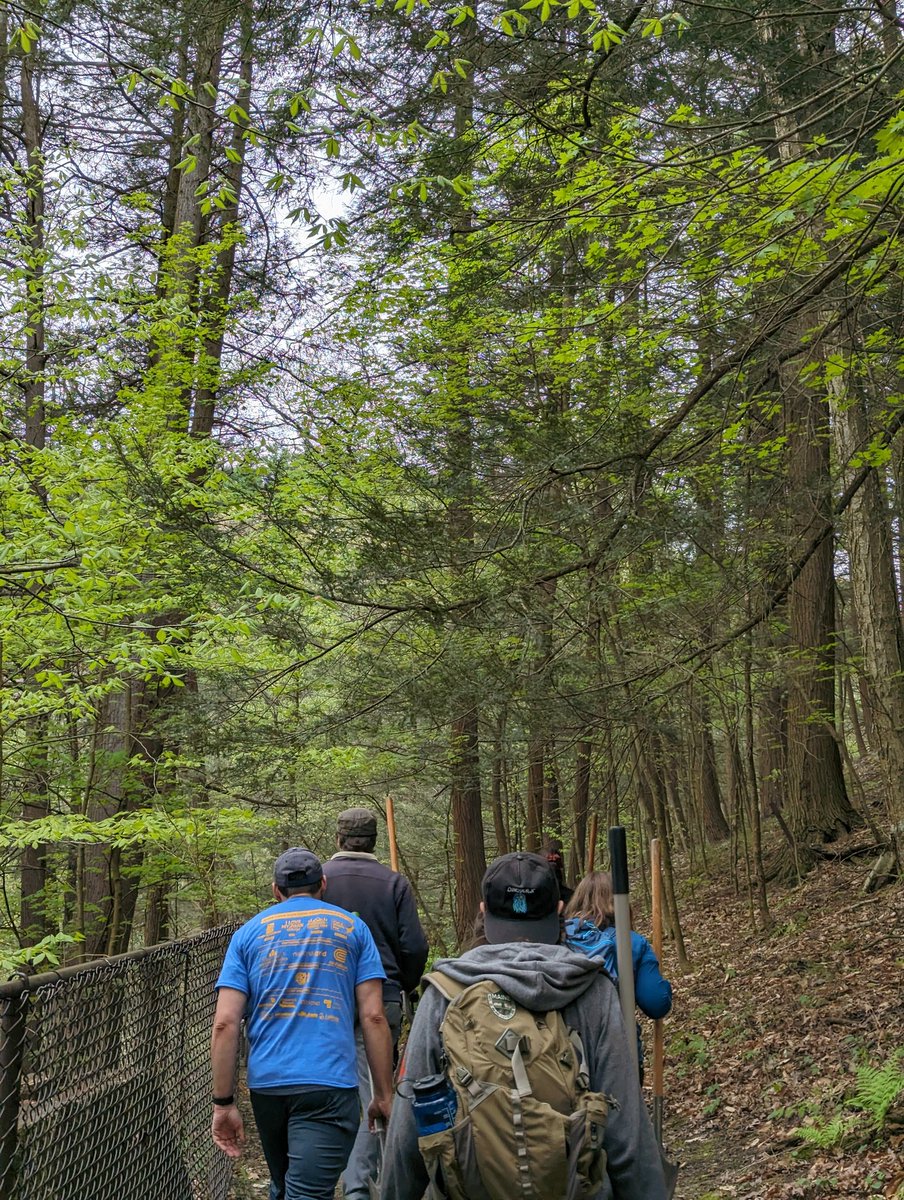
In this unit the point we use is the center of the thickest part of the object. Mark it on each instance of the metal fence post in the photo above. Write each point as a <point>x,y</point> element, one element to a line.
<point>12,1044</point>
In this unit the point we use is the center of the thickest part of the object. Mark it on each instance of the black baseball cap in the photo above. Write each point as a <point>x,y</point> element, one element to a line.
<point>357,822</point>
<point>297,867</point>
<point>521,900</point>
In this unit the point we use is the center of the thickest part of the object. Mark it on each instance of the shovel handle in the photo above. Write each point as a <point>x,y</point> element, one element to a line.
<point>621,903</point>
<point>669,1166</point>
<point>391,832</point>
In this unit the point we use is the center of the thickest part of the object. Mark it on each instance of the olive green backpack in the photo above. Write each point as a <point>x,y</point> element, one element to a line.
<point>527,1124</point>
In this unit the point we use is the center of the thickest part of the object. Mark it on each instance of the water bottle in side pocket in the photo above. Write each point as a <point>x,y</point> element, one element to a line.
<point>434,1104</point>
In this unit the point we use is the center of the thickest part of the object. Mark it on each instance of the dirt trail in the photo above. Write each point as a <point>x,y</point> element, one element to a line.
<point>767,1035</point>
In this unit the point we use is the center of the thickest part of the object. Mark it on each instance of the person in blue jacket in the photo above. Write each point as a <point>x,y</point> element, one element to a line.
<point>590,928</point>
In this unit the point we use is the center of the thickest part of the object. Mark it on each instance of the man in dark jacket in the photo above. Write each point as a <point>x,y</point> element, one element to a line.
<point>524,958</point>
<point>383,899</point>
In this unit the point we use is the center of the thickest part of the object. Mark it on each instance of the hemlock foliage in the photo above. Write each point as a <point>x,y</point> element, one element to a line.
<point>515,489</point>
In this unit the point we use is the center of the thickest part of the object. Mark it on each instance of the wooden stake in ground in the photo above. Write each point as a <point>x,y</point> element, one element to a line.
<point>669,1168</point>
<point>391,831</point>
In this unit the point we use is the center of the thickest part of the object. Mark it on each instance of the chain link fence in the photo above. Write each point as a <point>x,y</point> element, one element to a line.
<point>105,1078</point>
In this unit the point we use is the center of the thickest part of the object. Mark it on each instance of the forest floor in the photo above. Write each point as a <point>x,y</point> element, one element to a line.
<point>767,1036</point>
<point>770,1033</point>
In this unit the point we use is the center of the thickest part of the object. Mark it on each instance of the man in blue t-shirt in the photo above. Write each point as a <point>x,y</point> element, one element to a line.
<point>297,974</point>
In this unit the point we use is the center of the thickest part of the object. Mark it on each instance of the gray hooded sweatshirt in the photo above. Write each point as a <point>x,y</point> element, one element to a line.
<point>540,978</point>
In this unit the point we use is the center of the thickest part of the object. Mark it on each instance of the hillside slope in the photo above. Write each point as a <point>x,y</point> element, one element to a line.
<point>768,1034</point>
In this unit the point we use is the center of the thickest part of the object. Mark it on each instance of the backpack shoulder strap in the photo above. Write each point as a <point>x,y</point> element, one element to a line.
<point>448,988</point>
<point>583,1070</point>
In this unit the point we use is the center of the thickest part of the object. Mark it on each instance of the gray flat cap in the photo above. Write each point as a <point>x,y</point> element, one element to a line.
<point>357,822</point>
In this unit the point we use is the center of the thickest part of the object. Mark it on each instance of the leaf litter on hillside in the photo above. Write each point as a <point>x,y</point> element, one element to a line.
<point>768,1032</point>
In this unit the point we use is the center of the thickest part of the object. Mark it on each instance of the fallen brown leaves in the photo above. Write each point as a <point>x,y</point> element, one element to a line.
<point>768,1031</point>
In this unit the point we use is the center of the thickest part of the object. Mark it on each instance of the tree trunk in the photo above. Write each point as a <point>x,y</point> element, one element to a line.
<point>754,802</point>
<point>124,743</point>
<point>581,808</point>
<point>467,823</point>
<point>499,822</point>
<point>534,796</point>
<point>33,919</point>
<point>215,307</point>
<point>467,811</point>
<point>552,816</point>
<point>817,808</point>
<point>707,778</point>
<point>772,746</point>
<point>129,722</point>
<point>659,824</point>
<point>156,915</point>
<point>875,598</point>
<point>676,804</point>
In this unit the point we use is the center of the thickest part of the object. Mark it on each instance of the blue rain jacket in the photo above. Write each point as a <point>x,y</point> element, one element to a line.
<point>652,993</point>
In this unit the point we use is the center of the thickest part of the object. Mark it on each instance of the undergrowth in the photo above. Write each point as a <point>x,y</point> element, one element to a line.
<point>875,1093</point>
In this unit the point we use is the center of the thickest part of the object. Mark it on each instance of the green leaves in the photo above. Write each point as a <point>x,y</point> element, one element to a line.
<point>605,39</point>
<point>345,41</point>
<point>43,955</point>
<point>27,35</point>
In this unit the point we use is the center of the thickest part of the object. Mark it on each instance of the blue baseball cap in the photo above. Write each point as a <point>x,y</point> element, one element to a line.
<point>296,868</point>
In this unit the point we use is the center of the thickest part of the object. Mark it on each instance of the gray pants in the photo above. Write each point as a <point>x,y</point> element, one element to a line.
<point>364,1160</point>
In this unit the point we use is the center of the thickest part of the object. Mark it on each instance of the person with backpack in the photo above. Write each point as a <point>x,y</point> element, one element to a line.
<point>517,1078</point>
<point>590,928</point>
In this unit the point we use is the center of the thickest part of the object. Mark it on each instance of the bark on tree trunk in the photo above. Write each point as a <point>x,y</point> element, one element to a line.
<point>552,817</point>
<point>707,778</point>
<point>772,747</point>
<point>676,805</point>
<point>875,599</point>
<point>124,746</point>
<point>216,301</point>
<point>499,822</point>
<point>126,741</point>
<point>156,915</point>
<point>581,807</point>
<point>817,808</point>
<point>33,920</point>
<point>467,823</point>
<point>754,801</point>
<point>534,797</point>
<point>660,824</point>
<point>466,809</point>
<point>862,749</point>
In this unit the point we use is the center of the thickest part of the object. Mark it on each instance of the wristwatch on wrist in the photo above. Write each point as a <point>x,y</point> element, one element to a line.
<point>224,1101</point>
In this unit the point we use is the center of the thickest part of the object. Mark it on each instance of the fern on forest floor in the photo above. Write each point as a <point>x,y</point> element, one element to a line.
<point>876,1091</point>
